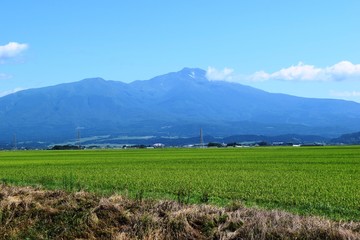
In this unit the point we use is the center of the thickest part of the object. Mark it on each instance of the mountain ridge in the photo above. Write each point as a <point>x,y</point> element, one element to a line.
<point>173,104</point>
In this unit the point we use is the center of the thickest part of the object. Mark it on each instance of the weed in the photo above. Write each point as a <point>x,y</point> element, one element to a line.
<point>222,218</point>
<point>183,195</point>
<point>46,181</point>
<point>139,195</point>
<point>28,213</point>
<point>205,197</point>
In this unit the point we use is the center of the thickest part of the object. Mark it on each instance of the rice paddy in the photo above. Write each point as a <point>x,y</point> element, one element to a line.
<point>321,181</point>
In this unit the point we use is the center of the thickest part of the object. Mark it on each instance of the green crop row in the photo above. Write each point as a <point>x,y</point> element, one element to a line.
<point>307,180</point>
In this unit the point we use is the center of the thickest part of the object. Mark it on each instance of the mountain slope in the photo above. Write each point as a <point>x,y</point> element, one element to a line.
<point>174,104</point>
<point>350,139</point>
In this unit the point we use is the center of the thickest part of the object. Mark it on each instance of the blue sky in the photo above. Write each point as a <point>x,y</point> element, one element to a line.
<point>305,48</point>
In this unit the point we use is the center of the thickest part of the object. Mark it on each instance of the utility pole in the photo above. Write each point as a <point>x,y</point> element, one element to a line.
<point>78,133</point>
<point>15,142</point>
<point>201,138</point>
<point>78,138</point>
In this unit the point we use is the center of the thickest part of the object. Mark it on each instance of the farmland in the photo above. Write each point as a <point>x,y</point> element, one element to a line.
<point>308,180</point>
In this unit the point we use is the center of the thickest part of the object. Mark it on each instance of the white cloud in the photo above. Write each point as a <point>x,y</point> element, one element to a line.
<point>343,70</point>
<point>4,93</point>
<point>12,49</point>
<point>345,94</point>
<point>4,76</point>
<point>340,71</point>
<point>214,74</point>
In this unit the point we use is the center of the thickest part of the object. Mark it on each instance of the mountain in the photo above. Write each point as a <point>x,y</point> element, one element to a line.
<point>348,139</point>
<point>174,104</point>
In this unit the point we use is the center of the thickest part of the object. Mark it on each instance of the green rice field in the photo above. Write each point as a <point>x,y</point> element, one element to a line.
<point>322,181</point>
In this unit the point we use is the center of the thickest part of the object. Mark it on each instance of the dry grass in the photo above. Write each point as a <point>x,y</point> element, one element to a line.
<point>31,213</point>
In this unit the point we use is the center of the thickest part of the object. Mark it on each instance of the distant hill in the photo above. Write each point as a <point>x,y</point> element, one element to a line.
<point>174,104</point>
<point>350,138</point>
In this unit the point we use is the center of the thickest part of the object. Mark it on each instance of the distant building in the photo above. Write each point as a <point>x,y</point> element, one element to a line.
<point>159,145</point>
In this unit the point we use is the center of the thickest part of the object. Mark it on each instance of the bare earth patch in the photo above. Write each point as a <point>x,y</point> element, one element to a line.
<point>35,213</point>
